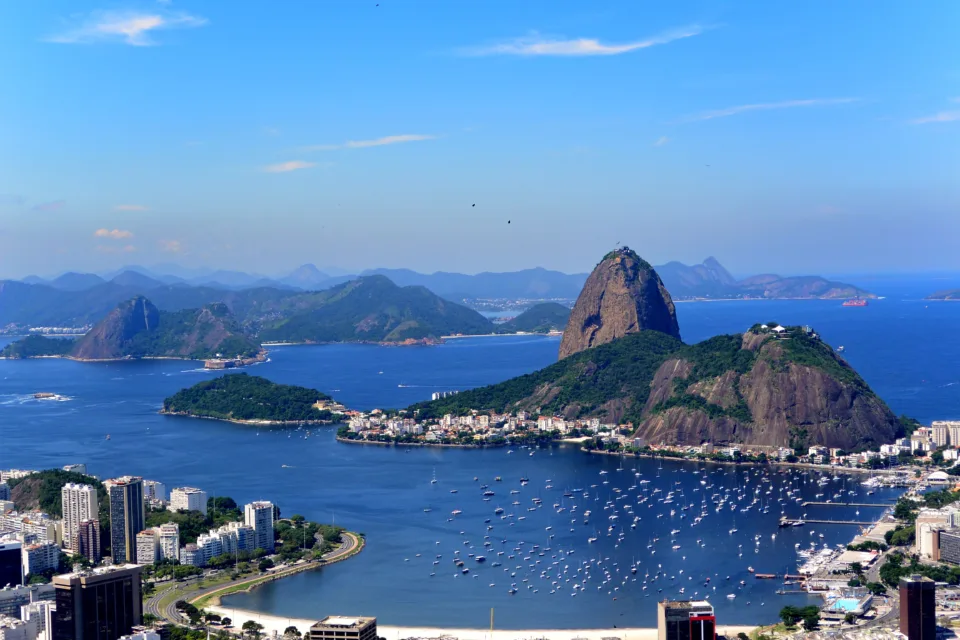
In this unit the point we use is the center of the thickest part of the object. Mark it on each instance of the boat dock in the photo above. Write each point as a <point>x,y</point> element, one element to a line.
<point>786,522</point>
<point>881,505</point>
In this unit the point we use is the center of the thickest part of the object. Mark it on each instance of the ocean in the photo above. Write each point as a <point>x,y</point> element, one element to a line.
<point>904,347</point>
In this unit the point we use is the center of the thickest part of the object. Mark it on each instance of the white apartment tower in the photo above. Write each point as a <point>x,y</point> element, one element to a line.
<point>259,515</point>
<point>188,499</point>
<point>170,541</point>
<point>79,504</point>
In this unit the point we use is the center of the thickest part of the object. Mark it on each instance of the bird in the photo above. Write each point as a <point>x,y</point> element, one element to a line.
<point>508,222</point>
<point>474,204</point>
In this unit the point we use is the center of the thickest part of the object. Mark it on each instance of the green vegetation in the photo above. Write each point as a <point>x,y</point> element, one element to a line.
<point>37,346</point>
<point>42,490</point>
<point>297,539</point>
<point>899,565</point>
<point>810,615</point>
<point>867,545</point>
<point>803,349</point>
<point>220,511</point>
<point>239,396</point>
<point>190,333</point>
<point>540,318</point>
<point>370,309</point>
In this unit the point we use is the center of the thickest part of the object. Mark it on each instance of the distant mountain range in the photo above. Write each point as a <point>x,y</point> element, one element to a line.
<point>79,299</point>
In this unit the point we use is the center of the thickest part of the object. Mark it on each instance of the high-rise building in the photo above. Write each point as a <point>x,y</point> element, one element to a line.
<point>170,541</point>
<point>42,613</point>
<point>15,629</point>
<point>188,499</point>
<point>88,540</point>
<point>13,598</point>
<point>102,604</point>
<point>918,608</point>
<point>4,491</point>
<point>79,503</point>
<point>153,490</point>
<point>126,517</point>
<point>40,557</point>
<point>11,564</point>
<point>344,628</point>
<point>148,546</point>
<point>259,515</point>
<point>686,620</point>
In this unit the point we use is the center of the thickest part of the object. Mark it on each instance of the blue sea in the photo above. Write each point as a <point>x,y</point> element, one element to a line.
<point>905,348</point>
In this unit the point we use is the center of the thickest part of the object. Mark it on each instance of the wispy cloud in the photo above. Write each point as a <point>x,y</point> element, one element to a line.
<point>129,27</point>
<point>49,206</point>
<point>537,45</point>
<point>768,106</point>
<point>940,116</point>
<point>170,246</point>
<point>378,142</point>
<point>103,248</point>
<point>662,140</point>
<point>130,207</point>
<point>292,165</point>
<point>113,234</point>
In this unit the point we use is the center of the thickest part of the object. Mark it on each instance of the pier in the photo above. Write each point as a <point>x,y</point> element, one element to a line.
<point>786,522</point>
<point>881,505</point>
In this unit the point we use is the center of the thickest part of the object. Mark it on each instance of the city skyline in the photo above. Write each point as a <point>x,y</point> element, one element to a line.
<point>204,134</point>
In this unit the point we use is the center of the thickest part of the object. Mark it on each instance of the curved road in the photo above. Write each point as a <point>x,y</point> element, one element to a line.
<point>348,545</point>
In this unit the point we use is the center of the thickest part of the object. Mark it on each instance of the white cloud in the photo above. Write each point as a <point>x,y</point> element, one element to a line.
<point>537,45</point>
<point>378,142</point>
<point>943,116</point>
<point>130,207</point>
<point>113,234</point>
<point>767,106</point>
<point>171,246</point>
<point>130,27</point>
<point>662,140</point>
<point>292,165</point>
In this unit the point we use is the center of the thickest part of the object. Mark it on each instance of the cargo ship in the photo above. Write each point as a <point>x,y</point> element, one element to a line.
<point>855,302</point>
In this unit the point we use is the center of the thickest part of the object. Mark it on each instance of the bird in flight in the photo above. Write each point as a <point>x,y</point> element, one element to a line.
<point>474,204</point>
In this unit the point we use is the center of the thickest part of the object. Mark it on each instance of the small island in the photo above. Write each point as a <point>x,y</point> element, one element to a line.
<point>247,399</point>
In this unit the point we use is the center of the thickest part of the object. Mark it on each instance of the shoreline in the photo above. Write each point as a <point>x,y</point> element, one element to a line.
<point>277,623</point>
<point>251,423</point>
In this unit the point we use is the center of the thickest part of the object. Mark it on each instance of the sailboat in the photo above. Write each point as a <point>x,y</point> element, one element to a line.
<point>434,479</point>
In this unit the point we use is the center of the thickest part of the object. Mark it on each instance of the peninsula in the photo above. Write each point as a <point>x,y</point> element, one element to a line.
<point>246,399</point>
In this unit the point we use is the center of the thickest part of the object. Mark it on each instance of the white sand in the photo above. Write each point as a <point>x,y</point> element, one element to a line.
<point>278,624</point>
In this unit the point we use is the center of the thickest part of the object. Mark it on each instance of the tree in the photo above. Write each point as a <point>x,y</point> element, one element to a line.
<point>811,618</point>
<point>297,519</point>
<point>875,588</point>
<point>850,618</point>
<point>226,622</point>
<point>292,632</point>
<point>790,615</point>
<point>251,628</point>
<point>265,564</point>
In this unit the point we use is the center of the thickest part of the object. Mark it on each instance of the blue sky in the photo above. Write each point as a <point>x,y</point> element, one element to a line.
<point>786,137</point>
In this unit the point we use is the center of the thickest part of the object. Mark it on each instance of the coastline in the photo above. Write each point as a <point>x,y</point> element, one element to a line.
<point>252,423</point>
<point>279,623</point>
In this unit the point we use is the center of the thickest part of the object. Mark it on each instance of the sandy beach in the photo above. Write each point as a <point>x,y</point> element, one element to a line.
<point>278,624</point>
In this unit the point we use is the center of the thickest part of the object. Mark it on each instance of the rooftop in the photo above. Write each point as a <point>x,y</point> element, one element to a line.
<point>344,621</point>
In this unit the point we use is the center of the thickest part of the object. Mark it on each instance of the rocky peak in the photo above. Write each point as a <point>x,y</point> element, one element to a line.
<point>109,337</point>
<point>623,295</point>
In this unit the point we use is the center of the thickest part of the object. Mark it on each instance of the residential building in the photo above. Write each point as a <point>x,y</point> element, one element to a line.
<point>259,515</point>
<point>344,628</point>
<point>190,555</point>
<point>14,474</point>
<point>15,629</point>
<point>148,546</point>
<point>40,557</point>
<point>88,540</point>
<point>686,620</point>
<point>11,564</point>
<point>170,541</point>
<point>142,635</point>
<point>918,608</point>
<point>126,517</point>
<point>153,490</point>
<point>76,468</point>
<point>188,499</point>
<point>13,598</point>
<point>103,604</point>
<point>4,491</point>
<point>949,546</point>
<point>42,613</point>
<point>940,434</point>
<point>79,504</point>
<point>34,526</point>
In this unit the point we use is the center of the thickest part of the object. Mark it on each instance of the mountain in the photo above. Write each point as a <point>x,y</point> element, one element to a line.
<point>945,294</point>
<point>137,329</point>
<point>757,388</point>
<point>306,277</point>
<point>540,318</point>
<point>370,309</point>
<point>76,281</point>
<point>530,284</point>
<point>711,280</point>
<point>622,295</point>
<point>136,280</point>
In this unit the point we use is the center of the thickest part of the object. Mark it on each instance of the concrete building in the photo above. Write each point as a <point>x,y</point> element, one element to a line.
<point>103,604</point>
<point>188,499</point>
<point>79,504</point>
<point>126,517</point>
<point>259,515</point>
<point>42,613</point>
<point>142,635</point>
<point>948,547</point>
<point>918,608</point>
<point>4,491</point>
<point>344,628</point>
<point>148,546</point>
<point>40,557</point>
<point>11,563</point>
<point>76,468</point>
<point>190,555</point>
<point>686,620</point>
<point>88,540</point>
<point>170,541</point>
<point>15,629</point>
<point>153,490</point>
<point>12,599</point>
